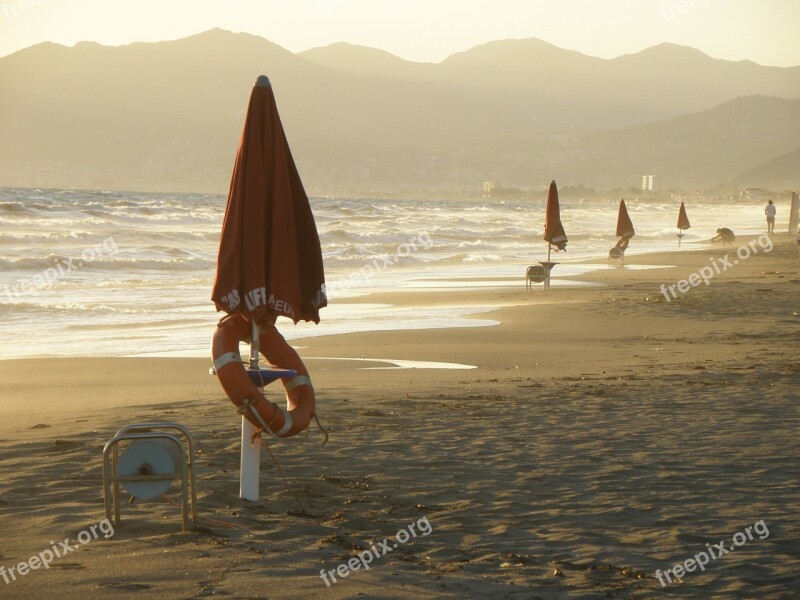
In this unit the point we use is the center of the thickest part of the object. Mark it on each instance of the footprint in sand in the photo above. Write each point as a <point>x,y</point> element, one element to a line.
<point>65,444</point>
<point>373,413</point>
<point>132,587</point>
<point>67,566</point>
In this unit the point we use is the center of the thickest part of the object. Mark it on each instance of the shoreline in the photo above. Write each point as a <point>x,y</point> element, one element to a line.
<point>165,310</point>
<point>473,299</point>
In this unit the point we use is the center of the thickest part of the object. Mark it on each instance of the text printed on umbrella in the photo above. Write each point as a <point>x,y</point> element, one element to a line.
<point>258,297</point>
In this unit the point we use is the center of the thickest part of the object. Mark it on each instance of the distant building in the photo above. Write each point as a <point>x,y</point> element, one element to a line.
<point>651,183</point>
<point>755,194</point>
<point>491,186</point>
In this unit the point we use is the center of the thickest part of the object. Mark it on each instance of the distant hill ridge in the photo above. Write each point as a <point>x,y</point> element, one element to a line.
<point>168,115</point>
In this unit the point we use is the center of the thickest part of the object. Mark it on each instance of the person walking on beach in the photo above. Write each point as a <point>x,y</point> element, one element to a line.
<point>770,210</point>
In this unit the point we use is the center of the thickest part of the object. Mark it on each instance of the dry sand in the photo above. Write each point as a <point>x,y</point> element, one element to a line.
<point>605,434</point>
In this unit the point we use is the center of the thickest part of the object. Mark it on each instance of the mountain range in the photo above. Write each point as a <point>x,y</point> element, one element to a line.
<point>167,116</point>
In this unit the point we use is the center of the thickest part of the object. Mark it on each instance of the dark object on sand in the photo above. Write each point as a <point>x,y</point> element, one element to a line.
<point>535,274</point>
<point>724,235</point>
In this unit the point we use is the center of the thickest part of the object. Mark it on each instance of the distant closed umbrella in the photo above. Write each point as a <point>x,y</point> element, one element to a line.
<point>624,223</point>
<point>683,219</point>
<point>683,222</point>
<point>270,262</point>
<point>625,232</point>
<point>554,233</point>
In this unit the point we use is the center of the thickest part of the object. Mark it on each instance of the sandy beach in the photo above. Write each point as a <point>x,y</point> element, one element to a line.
<point>604,433</point>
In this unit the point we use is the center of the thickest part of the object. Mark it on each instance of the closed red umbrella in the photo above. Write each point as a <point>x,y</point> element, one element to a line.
<point>270,262</point>
<point>269,265</point>
<point>554,233</point>
<point>624,223</point>
<point>683,222</point>
<point>683,218</point>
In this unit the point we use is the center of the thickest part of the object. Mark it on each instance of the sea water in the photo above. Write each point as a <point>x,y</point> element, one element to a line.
<point>94,273</point>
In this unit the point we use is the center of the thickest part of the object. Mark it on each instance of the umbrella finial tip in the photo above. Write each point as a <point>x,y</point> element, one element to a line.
<point>263,81</point>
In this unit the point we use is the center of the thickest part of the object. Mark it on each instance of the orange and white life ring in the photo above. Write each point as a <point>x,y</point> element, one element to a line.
<point>300,399</point>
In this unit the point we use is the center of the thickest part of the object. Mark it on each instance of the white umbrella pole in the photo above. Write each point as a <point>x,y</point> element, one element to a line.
<point>250,465</point>
<point>255,334</point>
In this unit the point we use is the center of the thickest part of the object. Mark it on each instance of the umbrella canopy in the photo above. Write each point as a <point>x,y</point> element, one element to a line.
<point>553,229</point>
<point>683,219</point>
<point>270,261</point>
<point>624,223</point>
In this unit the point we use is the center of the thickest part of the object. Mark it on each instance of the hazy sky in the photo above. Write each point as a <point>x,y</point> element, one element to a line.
<point>766,31</point>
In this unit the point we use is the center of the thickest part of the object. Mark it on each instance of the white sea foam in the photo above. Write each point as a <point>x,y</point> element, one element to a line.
<point>154,292</point>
